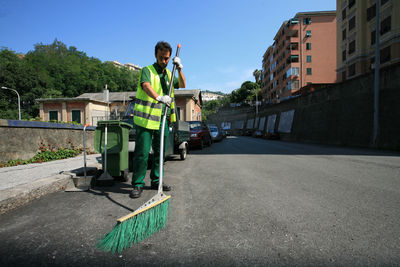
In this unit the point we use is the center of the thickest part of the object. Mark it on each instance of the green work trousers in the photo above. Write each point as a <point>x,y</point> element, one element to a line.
<point>144,140</point>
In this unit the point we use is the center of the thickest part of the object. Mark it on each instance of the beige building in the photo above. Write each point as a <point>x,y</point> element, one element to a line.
<point>303,52</point>
<point>209,96</point>
<point>83,110</point>
<point>91,108</point>
<point>356,29</point>
<point>130,66</point>
<point>189,104</point>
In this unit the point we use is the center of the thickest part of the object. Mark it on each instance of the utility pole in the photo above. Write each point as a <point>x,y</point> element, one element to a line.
<point>106,99</point>
<point>376,82</point>
<point>19,102</point>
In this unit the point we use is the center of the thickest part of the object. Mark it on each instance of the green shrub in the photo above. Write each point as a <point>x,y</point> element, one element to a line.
<point>43,156</point>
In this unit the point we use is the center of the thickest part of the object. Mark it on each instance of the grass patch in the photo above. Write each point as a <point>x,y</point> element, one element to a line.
<point>44,156</point>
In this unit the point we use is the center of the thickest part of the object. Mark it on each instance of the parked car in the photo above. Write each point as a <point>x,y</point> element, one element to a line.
<point>224,133</point>
<point>216,133</point>
<point>258,134</point>
<point>199,134</point>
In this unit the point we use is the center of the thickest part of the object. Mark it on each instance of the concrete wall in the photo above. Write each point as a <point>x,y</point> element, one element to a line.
<point>22,139</point>
<point>341,114</point>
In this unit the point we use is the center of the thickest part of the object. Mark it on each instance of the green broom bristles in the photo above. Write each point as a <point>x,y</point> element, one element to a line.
<point>135,229</point>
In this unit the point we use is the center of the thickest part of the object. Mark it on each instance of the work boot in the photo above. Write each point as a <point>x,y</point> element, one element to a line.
<point>136,192</point>
<point>164,188</point>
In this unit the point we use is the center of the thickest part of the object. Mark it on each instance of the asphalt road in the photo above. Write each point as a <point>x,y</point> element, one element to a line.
<point>242,201</point>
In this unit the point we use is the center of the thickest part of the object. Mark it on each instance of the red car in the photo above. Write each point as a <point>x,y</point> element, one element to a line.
<point>199,134</point>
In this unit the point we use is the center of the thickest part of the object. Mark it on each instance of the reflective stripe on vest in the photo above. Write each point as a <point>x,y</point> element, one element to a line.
<point>147,111</point>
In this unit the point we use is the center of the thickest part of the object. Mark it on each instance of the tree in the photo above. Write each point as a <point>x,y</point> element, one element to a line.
<point>56,70</point>
<point>257,75</point>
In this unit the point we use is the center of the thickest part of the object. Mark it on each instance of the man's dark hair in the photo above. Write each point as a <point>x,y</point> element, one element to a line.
<point>163,46</point>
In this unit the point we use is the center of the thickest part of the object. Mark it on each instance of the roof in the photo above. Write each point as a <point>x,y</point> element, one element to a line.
<point>193,93</point>
<point>112,97</point>
<point>316,13</point>
<point>119,96</point>
<point>67,99</point>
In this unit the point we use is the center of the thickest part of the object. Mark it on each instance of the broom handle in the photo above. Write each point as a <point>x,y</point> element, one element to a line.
<point>171,84</point>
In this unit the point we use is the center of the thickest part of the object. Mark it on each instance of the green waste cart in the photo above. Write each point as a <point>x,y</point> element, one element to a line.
<point>117,146</point>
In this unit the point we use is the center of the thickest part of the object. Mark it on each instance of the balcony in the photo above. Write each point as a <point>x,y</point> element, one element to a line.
<point>292,85</point>
<point>293,33</point>
<point>293,22</point>
<point>292,59</point>
<point>293,46</point>
<point>292,73</point>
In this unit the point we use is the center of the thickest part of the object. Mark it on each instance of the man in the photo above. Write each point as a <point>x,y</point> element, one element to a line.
<point>151,98</point>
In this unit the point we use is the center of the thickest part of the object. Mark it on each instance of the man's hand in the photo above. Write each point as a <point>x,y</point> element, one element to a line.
<point>164,99</point>
<point>177,62</point>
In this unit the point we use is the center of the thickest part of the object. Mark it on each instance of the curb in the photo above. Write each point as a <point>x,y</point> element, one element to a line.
<point>20,195</point>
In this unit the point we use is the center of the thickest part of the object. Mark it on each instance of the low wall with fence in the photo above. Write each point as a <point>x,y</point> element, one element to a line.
<point>341,114</point>
<point>23,139</point>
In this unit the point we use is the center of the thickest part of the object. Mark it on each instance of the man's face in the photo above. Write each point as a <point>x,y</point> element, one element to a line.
<point>163,58</point>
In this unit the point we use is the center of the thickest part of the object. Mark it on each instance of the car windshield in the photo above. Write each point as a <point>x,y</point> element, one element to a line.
<point>129,110</point>
<point>213,129</point>
<point>195,126</point>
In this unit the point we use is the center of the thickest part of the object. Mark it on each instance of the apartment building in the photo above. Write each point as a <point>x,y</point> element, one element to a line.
<point>130,66</point>
<point>356,30</point>
<point>303,52</point>
<point>209,96</point>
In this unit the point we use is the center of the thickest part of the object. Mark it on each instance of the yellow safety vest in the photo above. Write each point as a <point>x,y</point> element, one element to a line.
<point>147,112</point>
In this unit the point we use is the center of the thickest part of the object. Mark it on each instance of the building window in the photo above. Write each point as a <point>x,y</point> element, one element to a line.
<point>343,75</point>
<point>309,71</point>
<point>344,13</point>
<point>292,71</point>
<point>292,85</point>
<point>53,115</point>
<point>308,46</point>
<point>76,116</point>
<point>294,46</point>
<point>371,12</point>
<point>178,111</point>
<point>344,55</point>
<point>384,2</point>
<point>385,54</point>
<point>308,33</point>
<point>386,25</point>
<point>308,59</point>
<point>352,70</point>
<point>306,21</point>
<point>373,37</point>
<point>352,47</point>
<point>294,58</point>
<point>344,34</point>
<point>351,3</point>
<point>352,23</point>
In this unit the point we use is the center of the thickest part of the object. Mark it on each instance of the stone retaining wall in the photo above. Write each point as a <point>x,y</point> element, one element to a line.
<point>340,114</point>
<point>22,139</point>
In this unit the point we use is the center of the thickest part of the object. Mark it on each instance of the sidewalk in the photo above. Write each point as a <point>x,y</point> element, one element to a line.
<point>21,184</point>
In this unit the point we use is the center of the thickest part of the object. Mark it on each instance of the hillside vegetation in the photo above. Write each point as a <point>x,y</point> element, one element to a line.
<point>55,70</point>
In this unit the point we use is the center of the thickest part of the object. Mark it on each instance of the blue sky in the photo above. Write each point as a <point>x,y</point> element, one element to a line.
<point>223,41</point>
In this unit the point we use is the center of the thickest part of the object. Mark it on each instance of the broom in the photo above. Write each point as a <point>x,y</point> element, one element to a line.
<point>149,218</point>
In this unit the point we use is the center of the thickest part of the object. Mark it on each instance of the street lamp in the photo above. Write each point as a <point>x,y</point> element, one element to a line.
<point>19,105</point>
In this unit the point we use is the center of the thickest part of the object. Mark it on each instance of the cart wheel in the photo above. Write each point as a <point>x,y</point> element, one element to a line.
<point>183,153</point>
